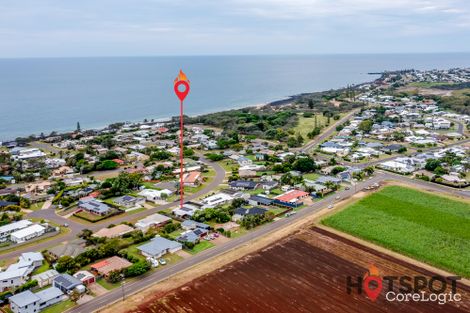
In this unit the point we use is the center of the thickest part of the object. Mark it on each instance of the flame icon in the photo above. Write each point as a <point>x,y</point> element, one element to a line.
<point>181,77</point>
<point>372,275</point>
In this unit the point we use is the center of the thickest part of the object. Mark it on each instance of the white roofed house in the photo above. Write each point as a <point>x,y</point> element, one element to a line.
<point>18,273</point>
<point>6,230</point>
<point>153,195</point>
<point>27,233</point>
<point>216,200</point>
<point>154,220</point>
<point>398,167</point>
<point>188,209</point>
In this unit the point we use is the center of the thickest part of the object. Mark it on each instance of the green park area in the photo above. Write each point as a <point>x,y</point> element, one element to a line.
<point>430,228</point>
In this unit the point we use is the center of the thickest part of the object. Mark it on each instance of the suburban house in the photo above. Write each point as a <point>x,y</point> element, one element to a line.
<point>190,225</point>
<point>259,200</point>
<point>154,220</point>
<point>7,230</point>
<point>153,195</point>
<point>114,232</point>
<point>188,209</point>
<point>114,263</point>
<point>243,185</point>
<point>192,236</point>
<point>192,179</point>
<point>292,198</point>
<point>66,283</point>
<point>129,201</point>
<point>398,167</point>
<point>216,200</point>
<point>45,278</point>
<point>159,246</point>
<point>240,213</point>
<point>39,187</point>
<point>85,277</point>
<point>29,302</point>
<point>269,185</point>
<point>27,233</point>
<point>392,148</point>
<point>93,206</point>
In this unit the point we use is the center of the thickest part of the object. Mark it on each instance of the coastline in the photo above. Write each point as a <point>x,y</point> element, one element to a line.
<point>151,120</point>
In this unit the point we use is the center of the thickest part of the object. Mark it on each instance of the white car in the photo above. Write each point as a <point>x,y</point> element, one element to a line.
<point>330,206</point>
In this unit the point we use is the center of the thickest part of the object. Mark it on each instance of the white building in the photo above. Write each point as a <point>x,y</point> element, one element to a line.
<point>397,167</point>
<point>27,233</point>
<point>153,220</point>
<point>6,230</point>
<point>216,200</point>
<point>153,195</point>
<point>28,302</point>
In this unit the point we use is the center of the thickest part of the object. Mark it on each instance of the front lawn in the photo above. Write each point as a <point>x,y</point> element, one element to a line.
<point>203,245</point>
<point>107,285</point>
<point>427,227</point>
<point>59,307</point>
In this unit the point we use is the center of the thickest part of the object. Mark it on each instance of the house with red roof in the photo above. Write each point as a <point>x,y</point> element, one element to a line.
<point>292,199</point>
<point>192,179</point>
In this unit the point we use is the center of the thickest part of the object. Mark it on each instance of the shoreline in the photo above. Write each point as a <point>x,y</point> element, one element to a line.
<point>279,102</point>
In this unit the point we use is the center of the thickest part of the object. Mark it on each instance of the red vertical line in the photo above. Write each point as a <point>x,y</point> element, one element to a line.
<point>181,154</point>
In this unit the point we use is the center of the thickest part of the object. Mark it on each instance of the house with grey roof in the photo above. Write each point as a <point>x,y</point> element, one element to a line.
<point>29,302</point>
<point>159,246</point>
<point>190,224</point>
<point>66,283</point>
<point>94,206</point>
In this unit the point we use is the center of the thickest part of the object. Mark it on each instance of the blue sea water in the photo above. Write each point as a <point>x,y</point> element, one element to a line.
<point>42,95</point>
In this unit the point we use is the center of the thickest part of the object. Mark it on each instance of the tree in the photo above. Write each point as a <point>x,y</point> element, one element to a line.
<point>114,277</point>
<point>366,126</point>
<point>310,104</point>
<point>369,170</point>
<point>304,165</point>
<point>432,164</point>
<point>137,269</point>
<point>66,264</point>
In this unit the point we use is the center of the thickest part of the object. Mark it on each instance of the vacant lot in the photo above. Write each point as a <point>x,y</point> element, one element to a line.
<point>430,228</point>
<point>306,272</point>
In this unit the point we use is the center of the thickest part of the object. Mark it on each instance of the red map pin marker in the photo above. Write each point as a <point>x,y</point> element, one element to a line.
<point>372,293</point>
<point>181,86</point>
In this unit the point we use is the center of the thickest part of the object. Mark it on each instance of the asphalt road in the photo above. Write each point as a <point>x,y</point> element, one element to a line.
<point>75,227</point>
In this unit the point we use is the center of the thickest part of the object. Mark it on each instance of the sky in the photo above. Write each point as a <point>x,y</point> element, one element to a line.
<point>81,28</point>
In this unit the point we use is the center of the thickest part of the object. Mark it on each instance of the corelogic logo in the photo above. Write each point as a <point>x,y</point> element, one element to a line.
<point>405,288</point>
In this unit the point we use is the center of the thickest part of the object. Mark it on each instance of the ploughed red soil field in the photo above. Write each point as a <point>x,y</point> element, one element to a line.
<point>305,272</point>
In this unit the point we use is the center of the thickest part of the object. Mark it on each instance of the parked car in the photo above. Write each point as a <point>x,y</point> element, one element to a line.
<point>153,262</point>
<point>330,206</point>
<point>162,261</point>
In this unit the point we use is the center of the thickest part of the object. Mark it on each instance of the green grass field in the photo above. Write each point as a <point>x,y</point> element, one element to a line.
<point>201,246</point>
<point>306,124</point>
<point>429,228</point>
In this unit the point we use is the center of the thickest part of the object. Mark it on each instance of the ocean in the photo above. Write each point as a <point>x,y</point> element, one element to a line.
<point>53,94</point>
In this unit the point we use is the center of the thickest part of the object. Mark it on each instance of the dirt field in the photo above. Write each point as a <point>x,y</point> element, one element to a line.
<point>305,272</point>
